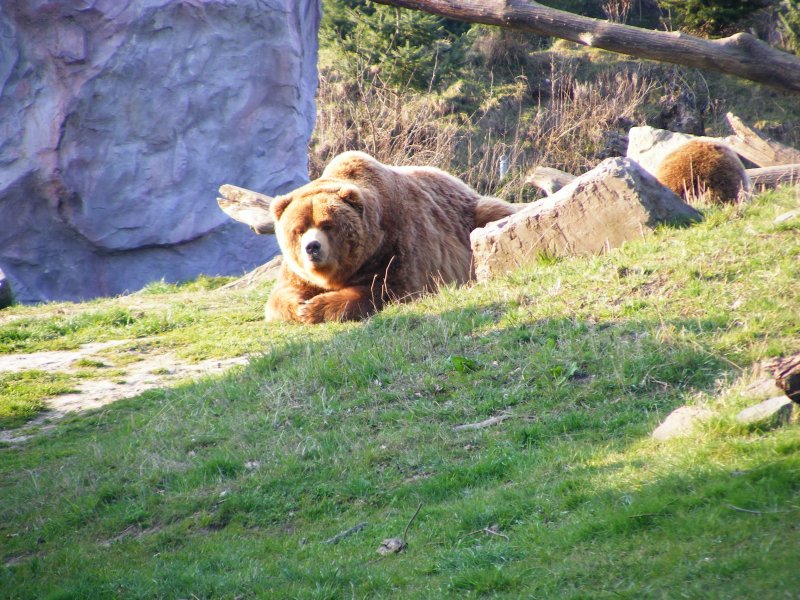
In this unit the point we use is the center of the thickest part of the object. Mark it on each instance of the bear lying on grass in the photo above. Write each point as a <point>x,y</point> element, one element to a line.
<point>364,234</point>
<point>704,169</point>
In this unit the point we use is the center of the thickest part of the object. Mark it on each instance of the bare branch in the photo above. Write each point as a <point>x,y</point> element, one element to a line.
<point>741,54</point>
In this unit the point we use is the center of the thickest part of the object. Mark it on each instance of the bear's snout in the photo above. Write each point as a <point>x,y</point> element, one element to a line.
<point>314,246</point>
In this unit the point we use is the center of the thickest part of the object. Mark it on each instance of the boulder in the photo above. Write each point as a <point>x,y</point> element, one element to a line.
<point>121,120</point>
<point>649,146</point>
<point>682,422</point>
<point>6,297</point>
<point>772,412</point>
<point>613,203</point>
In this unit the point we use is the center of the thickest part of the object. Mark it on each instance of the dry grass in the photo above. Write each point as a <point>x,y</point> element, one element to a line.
<point>557,120</point>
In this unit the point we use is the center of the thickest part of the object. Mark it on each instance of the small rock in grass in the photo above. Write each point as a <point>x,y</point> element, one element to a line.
<point>391,546</point>
<point>775,412</point>
<point>681,422</point>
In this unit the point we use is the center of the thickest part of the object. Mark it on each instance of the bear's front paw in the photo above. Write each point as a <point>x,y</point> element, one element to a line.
<point>311,311</point>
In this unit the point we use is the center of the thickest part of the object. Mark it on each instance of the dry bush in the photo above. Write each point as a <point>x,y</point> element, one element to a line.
<point>563,125</point>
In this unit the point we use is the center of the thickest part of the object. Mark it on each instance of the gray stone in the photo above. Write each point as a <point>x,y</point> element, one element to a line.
<point>6,297</point>
<point>648,146</point>
<point>121,119</point>
<point>682,422</point>
<point>613,203</point>
<point>772,412</point>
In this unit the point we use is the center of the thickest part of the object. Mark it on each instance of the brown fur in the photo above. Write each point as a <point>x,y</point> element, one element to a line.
<point>699,168</point>
<point>384,233</point>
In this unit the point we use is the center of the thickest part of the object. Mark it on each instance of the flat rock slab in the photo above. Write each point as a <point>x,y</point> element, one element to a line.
<point>775,411</point>
<point>682,422</point>
<point>611,204</point>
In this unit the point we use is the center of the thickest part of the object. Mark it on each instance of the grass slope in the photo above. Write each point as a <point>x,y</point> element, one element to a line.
<point>229,487</point>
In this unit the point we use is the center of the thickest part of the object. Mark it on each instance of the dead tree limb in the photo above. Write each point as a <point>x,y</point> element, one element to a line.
<point>754,147</point>
<point>771,177</point>
<point>549,179</point>
<point>741,54</point>
<point>248,207</point>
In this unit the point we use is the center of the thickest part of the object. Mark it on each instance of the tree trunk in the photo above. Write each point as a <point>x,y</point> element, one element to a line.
<point>741,54</point>
<point>771,177</point>
<point>763,152</point>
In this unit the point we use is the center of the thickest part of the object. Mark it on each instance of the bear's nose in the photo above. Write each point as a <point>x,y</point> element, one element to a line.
<point>313,247</point>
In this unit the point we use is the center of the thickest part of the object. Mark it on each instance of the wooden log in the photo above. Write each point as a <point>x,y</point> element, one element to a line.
<point>751,145</point>
<point>741,54</point>
<point>767,178</point>
<point>787,375</point>
<point>248,207</point>
<point>548,179</point>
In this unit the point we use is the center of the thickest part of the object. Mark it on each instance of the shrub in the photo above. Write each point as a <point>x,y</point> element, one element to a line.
<point>710,17</point>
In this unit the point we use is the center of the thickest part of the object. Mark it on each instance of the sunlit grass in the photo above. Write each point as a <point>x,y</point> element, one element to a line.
<point>230,486</point>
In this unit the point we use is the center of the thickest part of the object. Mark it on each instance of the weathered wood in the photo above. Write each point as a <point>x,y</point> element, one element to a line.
<point>741,54</point>
<point>771,177</point>
<point>549,179</point>
<point>754,147</point>
<point>787,375</point>
<point>247,206</point>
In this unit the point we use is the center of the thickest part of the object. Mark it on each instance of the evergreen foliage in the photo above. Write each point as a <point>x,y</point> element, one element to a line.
<point>407,48</point>
<point>710,17</point>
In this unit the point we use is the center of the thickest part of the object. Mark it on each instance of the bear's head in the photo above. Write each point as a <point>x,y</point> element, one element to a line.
<point>327,230</point>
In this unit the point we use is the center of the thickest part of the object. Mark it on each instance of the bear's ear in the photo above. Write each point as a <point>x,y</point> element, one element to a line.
<point>279,205</point>
<point>352,196</point>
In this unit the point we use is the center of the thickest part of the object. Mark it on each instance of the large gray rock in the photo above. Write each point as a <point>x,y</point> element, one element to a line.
<point>649,146</point>
<point>613,203</point>
<point>121,119</point>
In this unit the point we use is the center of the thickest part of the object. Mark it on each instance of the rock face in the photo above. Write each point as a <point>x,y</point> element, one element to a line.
<point>613,203</point>
<point>121,119</point>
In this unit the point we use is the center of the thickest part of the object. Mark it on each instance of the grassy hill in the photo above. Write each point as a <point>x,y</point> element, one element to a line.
<point>233,486</point>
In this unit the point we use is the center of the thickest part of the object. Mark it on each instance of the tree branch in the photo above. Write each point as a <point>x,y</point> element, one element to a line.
<point>741,54</point>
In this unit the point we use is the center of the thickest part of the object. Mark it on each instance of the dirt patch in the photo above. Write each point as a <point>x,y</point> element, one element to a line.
<point>152,371</point>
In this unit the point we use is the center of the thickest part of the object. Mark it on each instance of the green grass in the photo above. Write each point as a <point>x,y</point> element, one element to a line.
<point>22,394</point>
<point>228,487</point>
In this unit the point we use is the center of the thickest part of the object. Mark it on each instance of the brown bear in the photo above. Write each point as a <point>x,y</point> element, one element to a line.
<point>365,233</point>
<point>705,169</point>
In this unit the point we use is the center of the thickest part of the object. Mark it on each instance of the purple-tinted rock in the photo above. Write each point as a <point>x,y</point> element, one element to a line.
<point>121,119</point>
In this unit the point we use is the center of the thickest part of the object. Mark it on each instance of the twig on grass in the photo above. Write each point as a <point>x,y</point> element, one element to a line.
<point>755,512</point>
<point>346,533</point>
<point>395,545</point>
<point>483,424</point>
<point>491,530</point>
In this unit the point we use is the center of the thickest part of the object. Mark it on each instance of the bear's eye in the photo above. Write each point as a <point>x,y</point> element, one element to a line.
<point>326,226</point>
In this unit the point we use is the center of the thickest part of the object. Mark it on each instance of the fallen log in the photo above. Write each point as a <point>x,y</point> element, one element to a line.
<point>749,144</point>
<point>247,206</point>
<point>787,375</point>
<point>741,54</point>
<point>548,179</point>
<point>767,178</point>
